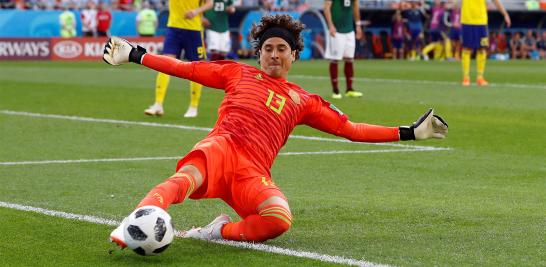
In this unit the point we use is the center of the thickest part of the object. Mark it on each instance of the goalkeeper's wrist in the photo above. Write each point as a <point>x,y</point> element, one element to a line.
<point>136,54</point>
<point>406,133</point>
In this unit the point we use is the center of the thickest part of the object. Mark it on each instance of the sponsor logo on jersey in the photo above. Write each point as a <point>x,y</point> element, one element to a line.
<point>294,96</point>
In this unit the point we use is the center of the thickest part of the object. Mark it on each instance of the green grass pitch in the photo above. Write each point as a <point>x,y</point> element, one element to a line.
<point>481,203</point>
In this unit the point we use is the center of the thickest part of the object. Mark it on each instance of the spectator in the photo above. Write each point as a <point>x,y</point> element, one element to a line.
<point>67,19</point>
<point>541,45</point>
<point>529,45</point>
<point>414,18</point>
<point>493,44</point>
<point>89,19</point>
<point>125,5</point>
<point>146,21</point>
<point>104,20</point>
<point>516,46</point>
<point>398,33</point>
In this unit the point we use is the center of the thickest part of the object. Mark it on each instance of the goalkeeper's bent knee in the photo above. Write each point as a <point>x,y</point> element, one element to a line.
<point>270,223</point>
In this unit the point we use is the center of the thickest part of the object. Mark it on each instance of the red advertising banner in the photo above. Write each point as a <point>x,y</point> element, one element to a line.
<point>92,48</point>
<point>66,48</point>
<point>25,48</point>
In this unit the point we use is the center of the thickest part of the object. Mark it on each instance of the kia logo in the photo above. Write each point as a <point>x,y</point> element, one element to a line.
<point>67,49</point>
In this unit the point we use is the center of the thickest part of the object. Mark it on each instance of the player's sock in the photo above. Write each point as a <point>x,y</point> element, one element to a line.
<point>481,58</point>
<point>271,222</point>
<point>161,84</point>
<point>438,51</point>
<point>413,54</point>
<point>195,94</point>
<point>333,76</point>
<point>465,62</point>
<point>448,48</point>
<point>174,190</point>
<point>349,74</point>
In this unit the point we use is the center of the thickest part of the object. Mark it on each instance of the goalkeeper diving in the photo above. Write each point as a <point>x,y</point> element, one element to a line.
<point>259,111</point>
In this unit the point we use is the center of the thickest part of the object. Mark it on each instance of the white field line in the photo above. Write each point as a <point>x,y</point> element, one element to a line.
<point>398,81</point>
<point>190,128</point>
<point>75,161</point>
<point>253,246</point>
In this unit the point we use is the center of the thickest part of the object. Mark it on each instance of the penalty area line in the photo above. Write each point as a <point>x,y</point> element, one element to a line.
<point>76,161</point>
<point>243,245</point>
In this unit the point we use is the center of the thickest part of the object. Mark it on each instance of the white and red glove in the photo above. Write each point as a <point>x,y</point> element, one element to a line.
<point>118,51</point>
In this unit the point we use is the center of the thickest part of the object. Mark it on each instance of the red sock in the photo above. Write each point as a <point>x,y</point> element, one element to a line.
<point>349,74</point>
<point>272,221</point>
<point>333,76</point>
<point>173,190</point>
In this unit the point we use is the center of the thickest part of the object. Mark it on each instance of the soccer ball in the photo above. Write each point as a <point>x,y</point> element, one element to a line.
<point>148,230</point>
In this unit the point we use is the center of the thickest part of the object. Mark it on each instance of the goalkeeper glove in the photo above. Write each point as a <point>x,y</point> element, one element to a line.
<point>118,51</point>
<point>428,126</point>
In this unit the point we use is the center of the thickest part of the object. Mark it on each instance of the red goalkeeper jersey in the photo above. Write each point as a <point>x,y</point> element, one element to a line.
<point>259,112</point>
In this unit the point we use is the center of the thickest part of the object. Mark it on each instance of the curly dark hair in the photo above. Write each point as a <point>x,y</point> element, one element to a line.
<point>280,20</point>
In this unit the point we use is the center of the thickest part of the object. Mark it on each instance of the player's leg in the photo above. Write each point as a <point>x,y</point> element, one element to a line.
<point>273,218</point>
<point>171,48</point>
<point>481,55</point>
<point>333,70</point>
<point>225,45</point>
<point>334,54</point>
<point>194,49</point>
<point>469,43</point>
<point>481,59</point>
<point>262,206</point>
<point>448,48</point>
<point>348,69</point>
<point>177,188</point>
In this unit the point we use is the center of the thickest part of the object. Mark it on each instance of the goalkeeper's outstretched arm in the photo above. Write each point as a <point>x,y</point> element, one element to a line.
<point>118,51</point>
<point>427,126</point>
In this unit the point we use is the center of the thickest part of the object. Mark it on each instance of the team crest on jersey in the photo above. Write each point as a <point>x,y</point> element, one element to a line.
<point>294,96</point>
<point>258,76</point>
<point>336,109</point>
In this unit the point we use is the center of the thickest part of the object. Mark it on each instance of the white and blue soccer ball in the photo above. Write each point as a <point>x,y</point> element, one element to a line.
<point>148,230</point>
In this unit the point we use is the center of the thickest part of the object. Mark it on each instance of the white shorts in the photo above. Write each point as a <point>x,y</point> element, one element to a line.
<point>340,46</point>
<point>218,41</point>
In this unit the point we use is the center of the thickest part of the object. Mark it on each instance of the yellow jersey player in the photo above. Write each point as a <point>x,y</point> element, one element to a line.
<point>474,31</point>
<point>184,32</point>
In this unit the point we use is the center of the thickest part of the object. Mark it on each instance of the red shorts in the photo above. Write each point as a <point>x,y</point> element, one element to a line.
<point>230,175</point>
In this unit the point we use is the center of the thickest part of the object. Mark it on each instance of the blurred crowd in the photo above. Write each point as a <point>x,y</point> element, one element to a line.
<point>397,43</point>
<point>135,5</point>
<point>431,29</point>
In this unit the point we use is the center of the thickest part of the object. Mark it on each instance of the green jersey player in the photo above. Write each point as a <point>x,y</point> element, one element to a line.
<point>340,42</point>
<point>217,33</point>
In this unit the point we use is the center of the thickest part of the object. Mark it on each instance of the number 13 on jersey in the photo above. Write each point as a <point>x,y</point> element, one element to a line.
<point>278,104</point>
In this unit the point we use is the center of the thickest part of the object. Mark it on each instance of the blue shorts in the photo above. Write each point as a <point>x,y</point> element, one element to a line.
<point>455,34</point>
<point>397,43</point>
<point>415,32</point>
<point>475,36</point>
<point>190,41</point>
<point>436,35</point>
